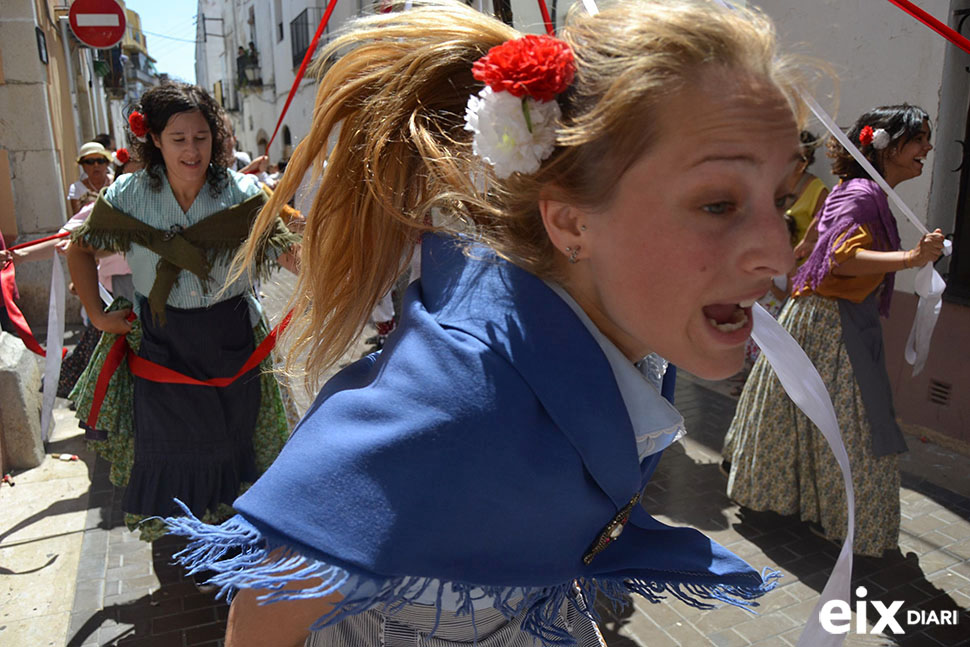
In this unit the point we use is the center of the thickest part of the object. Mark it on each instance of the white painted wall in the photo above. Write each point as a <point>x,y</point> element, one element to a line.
<point>209,49</point>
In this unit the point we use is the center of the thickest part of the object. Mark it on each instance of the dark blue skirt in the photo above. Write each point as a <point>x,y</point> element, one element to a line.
<point>194,443</point>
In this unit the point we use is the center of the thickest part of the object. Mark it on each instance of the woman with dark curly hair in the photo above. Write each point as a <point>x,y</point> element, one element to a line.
<point>179,221</point>
<point>779,460</point>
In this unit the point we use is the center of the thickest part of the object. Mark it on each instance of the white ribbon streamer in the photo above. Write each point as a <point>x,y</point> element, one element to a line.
<point>591,7</point>
<point>805,387</point>
<point>55,342</point>
<point>929,287</point>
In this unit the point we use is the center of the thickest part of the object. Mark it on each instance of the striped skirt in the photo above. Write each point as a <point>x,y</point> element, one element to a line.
<point>410,627</point>
<point>781,462</point>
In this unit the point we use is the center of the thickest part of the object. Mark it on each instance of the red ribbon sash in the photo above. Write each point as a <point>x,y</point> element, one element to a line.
<point>148,370</point>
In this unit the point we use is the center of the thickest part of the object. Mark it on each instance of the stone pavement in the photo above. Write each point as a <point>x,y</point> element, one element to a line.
<point>930,572</point>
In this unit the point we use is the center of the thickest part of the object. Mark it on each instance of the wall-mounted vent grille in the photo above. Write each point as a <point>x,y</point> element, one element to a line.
<point>939,392</point>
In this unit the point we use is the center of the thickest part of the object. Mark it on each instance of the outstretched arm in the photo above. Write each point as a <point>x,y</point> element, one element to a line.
<point>867,261</point>
<point>38,252</point>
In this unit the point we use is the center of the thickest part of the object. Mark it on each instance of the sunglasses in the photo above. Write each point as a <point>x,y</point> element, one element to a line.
<point>97,160</point>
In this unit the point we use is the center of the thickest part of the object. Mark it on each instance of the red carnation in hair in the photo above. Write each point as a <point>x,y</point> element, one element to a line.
<point>122,155</point>
<point>536,66</point>
<point>136,121</point>
<point>866,135</point>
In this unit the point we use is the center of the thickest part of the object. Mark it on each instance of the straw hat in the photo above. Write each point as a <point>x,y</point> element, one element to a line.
<point>93,148</point>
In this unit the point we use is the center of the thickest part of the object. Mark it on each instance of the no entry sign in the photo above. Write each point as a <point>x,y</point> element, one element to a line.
<point>97,23</point>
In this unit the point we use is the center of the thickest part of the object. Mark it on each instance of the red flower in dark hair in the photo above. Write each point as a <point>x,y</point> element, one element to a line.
<point>866,135</point>
<point>122,155</point>
<point>536,66</point>
<point>136,121</point>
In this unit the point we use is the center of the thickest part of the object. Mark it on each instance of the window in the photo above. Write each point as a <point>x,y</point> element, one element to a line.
<point>302,29</point>
<point>252,27</point>
<point>300,36</point>
<point>278,17</point>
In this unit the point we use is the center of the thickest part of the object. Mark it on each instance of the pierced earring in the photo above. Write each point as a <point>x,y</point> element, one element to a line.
<point>582,228</point>
<point>573,251</point>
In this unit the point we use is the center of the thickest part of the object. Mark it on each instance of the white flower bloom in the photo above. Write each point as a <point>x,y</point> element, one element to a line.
<point>880,139</point>
<point>502,136</point>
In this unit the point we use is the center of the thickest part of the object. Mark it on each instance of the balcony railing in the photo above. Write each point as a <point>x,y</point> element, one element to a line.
<point>248,71</point>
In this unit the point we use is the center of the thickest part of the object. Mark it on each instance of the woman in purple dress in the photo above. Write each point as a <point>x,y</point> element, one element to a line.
<point>780,461</point>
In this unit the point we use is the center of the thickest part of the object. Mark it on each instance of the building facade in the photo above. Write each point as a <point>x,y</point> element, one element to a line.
<point>55,94</point>
<point>248,53</point>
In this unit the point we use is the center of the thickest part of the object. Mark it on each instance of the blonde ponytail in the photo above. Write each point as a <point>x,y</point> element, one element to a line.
<point>393,91</point>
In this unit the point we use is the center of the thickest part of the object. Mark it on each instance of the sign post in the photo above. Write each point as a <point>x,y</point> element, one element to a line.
<point>97,23</point>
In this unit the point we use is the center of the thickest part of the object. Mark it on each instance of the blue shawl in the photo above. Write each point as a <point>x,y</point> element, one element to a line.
<point>486,448</point>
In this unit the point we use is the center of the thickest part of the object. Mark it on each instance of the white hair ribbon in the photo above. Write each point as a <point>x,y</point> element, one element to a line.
<point>55,342</point>
<point>591,7</point>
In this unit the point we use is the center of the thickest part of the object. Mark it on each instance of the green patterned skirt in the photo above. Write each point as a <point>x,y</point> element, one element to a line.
<point>781,462</point>
<point>115,419</point>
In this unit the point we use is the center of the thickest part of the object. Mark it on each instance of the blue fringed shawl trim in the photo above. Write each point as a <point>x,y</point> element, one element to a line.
<point>258,565</point>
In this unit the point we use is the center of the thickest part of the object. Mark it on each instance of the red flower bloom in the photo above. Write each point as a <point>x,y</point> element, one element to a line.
<point>536,66</point>
<point>866,135</point>
<point>136,121</point>
<point>122,155</point>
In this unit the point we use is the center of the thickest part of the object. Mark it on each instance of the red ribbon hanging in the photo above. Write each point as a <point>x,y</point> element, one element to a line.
<point>8,288</point>
<point>306,61</point>
<point>943,30</point>
<point>550,28</point>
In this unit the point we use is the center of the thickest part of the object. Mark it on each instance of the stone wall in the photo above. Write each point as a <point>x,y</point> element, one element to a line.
<point>20,402</point>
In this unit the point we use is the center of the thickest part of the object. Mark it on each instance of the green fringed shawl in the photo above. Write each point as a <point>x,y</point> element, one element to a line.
<point>193,248</point>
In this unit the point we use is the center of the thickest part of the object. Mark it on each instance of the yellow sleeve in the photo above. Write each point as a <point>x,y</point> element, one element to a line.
<point>848,245</point>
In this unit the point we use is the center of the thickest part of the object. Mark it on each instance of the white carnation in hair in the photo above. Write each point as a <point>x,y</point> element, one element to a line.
<point>880,139</point>
<point>502,134</point>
